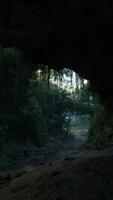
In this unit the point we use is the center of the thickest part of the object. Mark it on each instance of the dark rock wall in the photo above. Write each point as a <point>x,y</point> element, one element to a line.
<point>78,34</point>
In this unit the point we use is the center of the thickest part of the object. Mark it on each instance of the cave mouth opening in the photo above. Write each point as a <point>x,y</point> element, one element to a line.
<point>40,107</point>
<point>80,108</point>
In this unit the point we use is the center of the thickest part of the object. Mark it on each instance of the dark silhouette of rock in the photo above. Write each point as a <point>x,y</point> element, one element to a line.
<point>77,34</point>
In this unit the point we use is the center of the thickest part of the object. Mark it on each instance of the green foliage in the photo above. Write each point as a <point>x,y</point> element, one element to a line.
<point>13,152</point>
<point>13,79</point>
<point>33,124</point>
<point>54,105</point>
<point>85,103</point>
<point>81,108</point>
<point>30,112</point>
<point>101,129</point>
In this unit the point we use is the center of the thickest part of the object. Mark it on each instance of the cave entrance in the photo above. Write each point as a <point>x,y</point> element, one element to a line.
<point>40,108</point>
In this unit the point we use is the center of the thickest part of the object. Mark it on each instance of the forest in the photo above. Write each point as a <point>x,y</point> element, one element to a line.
<point>33,106</point>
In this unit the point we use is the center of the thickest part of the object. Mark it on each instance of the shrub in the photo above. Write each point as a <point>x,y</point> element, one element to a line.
<point>101,129</point>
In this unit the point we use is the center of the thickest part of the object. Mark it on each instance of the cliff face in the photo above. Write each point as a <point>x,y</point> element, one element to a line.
<point>77,34</point>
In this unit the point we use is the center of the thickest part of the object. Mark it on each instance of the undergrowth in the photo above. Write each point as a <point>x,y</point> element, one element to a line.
<point>101,129</point>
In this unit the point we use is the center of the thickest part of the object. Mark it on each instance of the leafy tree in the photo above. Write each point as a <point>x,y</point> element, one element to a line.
<point>30,111</point>
<point>101,128</point>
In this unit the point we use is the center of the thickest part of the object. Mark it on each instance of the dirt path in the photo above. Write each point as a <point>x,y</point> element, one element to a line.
<point>79,165</point>
<point>79,137</point>
<point>72,146</point>
<point>70,150</point>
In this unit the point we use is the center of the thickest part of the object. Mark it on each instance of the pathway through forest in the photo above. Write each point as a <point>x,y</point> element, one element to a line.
<point>70,150</point>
